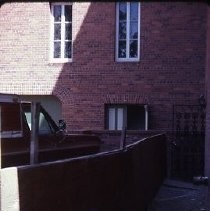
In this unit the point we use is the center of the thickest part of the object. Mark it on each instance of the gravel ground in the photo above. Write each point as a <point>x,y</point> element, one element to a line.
<point>180,196</point>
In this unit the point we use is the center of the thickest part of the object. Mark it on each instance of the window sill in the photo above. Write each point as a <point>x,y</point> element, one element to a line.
<point>60,60</point>
<point>127,60</point>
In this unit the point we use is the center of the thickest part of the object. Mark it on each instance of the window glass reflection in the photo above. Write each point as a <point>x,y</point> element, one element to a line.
<point>133,48</point>
<point>68,13</point>
<point>122,49</point>
<point>67,49</point>
<point>134,30</point>
<point>122,11</point>
<point>134,11</point>
<point>57,31</point>
<point>57,49</point>
<point>68,31</point>
<point>57,13</point>
<point>122,30</point>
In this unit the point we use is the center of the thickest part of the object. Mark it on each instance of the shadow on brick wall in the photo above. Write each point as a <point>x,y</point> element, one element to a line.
<point>82,81</point>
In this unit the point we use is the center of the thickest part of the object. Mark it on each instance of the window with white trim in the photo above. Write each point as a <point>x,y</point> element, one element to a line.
<point>127,31</point>
<point>133,117</point>
<point>61,39</point>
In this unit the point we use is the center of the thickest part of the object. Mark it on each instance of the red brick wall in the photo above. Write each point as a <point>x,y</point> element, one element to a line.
<point>171,69</point>
<point>24,49</point>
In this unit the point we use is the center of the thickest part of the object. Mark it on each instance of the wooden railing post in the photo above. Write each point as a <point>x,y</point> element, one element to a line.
<point>123,138</point>
<point>35,107</point>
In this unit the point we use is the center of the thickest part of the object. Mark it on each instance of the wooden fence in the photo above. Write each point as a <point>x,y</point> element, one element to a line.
<point>120,180</point>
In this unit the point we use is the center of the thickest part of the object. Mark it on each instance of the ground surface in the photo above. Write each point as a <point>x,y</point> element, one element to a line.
<point>181,196</point>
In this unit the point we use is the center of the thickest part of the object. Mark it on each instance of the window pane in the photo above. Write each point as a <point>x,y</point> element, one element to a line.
<point>122,11</point>
<point>57,31</point>
<point>57,49</point>
<point>68,31</point>
<point>57,13</point>
<point>67,49</point>
<point>134,11</point>
<point>133,49</point>
<point>43,125</point>
<point>133,30</point>
<point>111,119</point>
<point>28,119</point>
<point>119,118</point>
<point>122,49</point>
<point>68,13</point>
<point>122,30</point>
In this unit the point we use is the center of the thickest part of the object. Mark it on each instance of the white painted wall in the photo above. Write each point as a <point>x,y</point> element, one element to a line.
<point>50,103</point>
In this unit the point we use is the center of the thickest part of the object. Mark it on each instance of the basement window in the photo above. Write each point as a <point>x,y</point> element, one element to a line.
<point>134,117</point>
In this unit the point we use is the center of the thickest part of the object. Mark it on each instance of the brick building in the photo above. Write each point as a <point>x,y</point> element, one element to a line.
<point>99,65</point>
<point>169,67</point>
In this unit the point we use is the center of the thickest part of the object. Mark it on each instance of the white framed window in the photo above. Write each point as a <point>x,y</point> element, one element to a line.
<point>115,117</point>
<point>61,32</point>
<point>132,116</point>
<point>128,31</point>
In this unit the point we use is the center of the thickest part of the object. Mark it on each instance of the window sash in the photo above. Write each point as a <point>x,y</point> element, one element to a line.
<point>119,118</point>
<point>116,117</point>
<point>127,39</point>
<point>63,42</point>
<point>111,118</point>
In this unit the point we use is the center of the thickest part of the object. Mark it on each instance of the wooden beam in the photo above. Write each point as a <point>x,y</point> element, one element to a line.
<point>123,138</point>
<point>146,116</point>
<point>35,107</point>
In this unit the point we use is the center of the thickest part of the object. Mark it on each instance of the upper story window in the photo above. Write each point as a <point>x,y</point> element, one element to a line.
<point>61,38</point>
<point>127,31</point>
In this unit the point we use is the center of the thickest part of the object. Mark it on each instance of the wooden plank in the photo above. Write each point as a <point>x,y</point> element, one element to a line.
<point>9,194</point>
